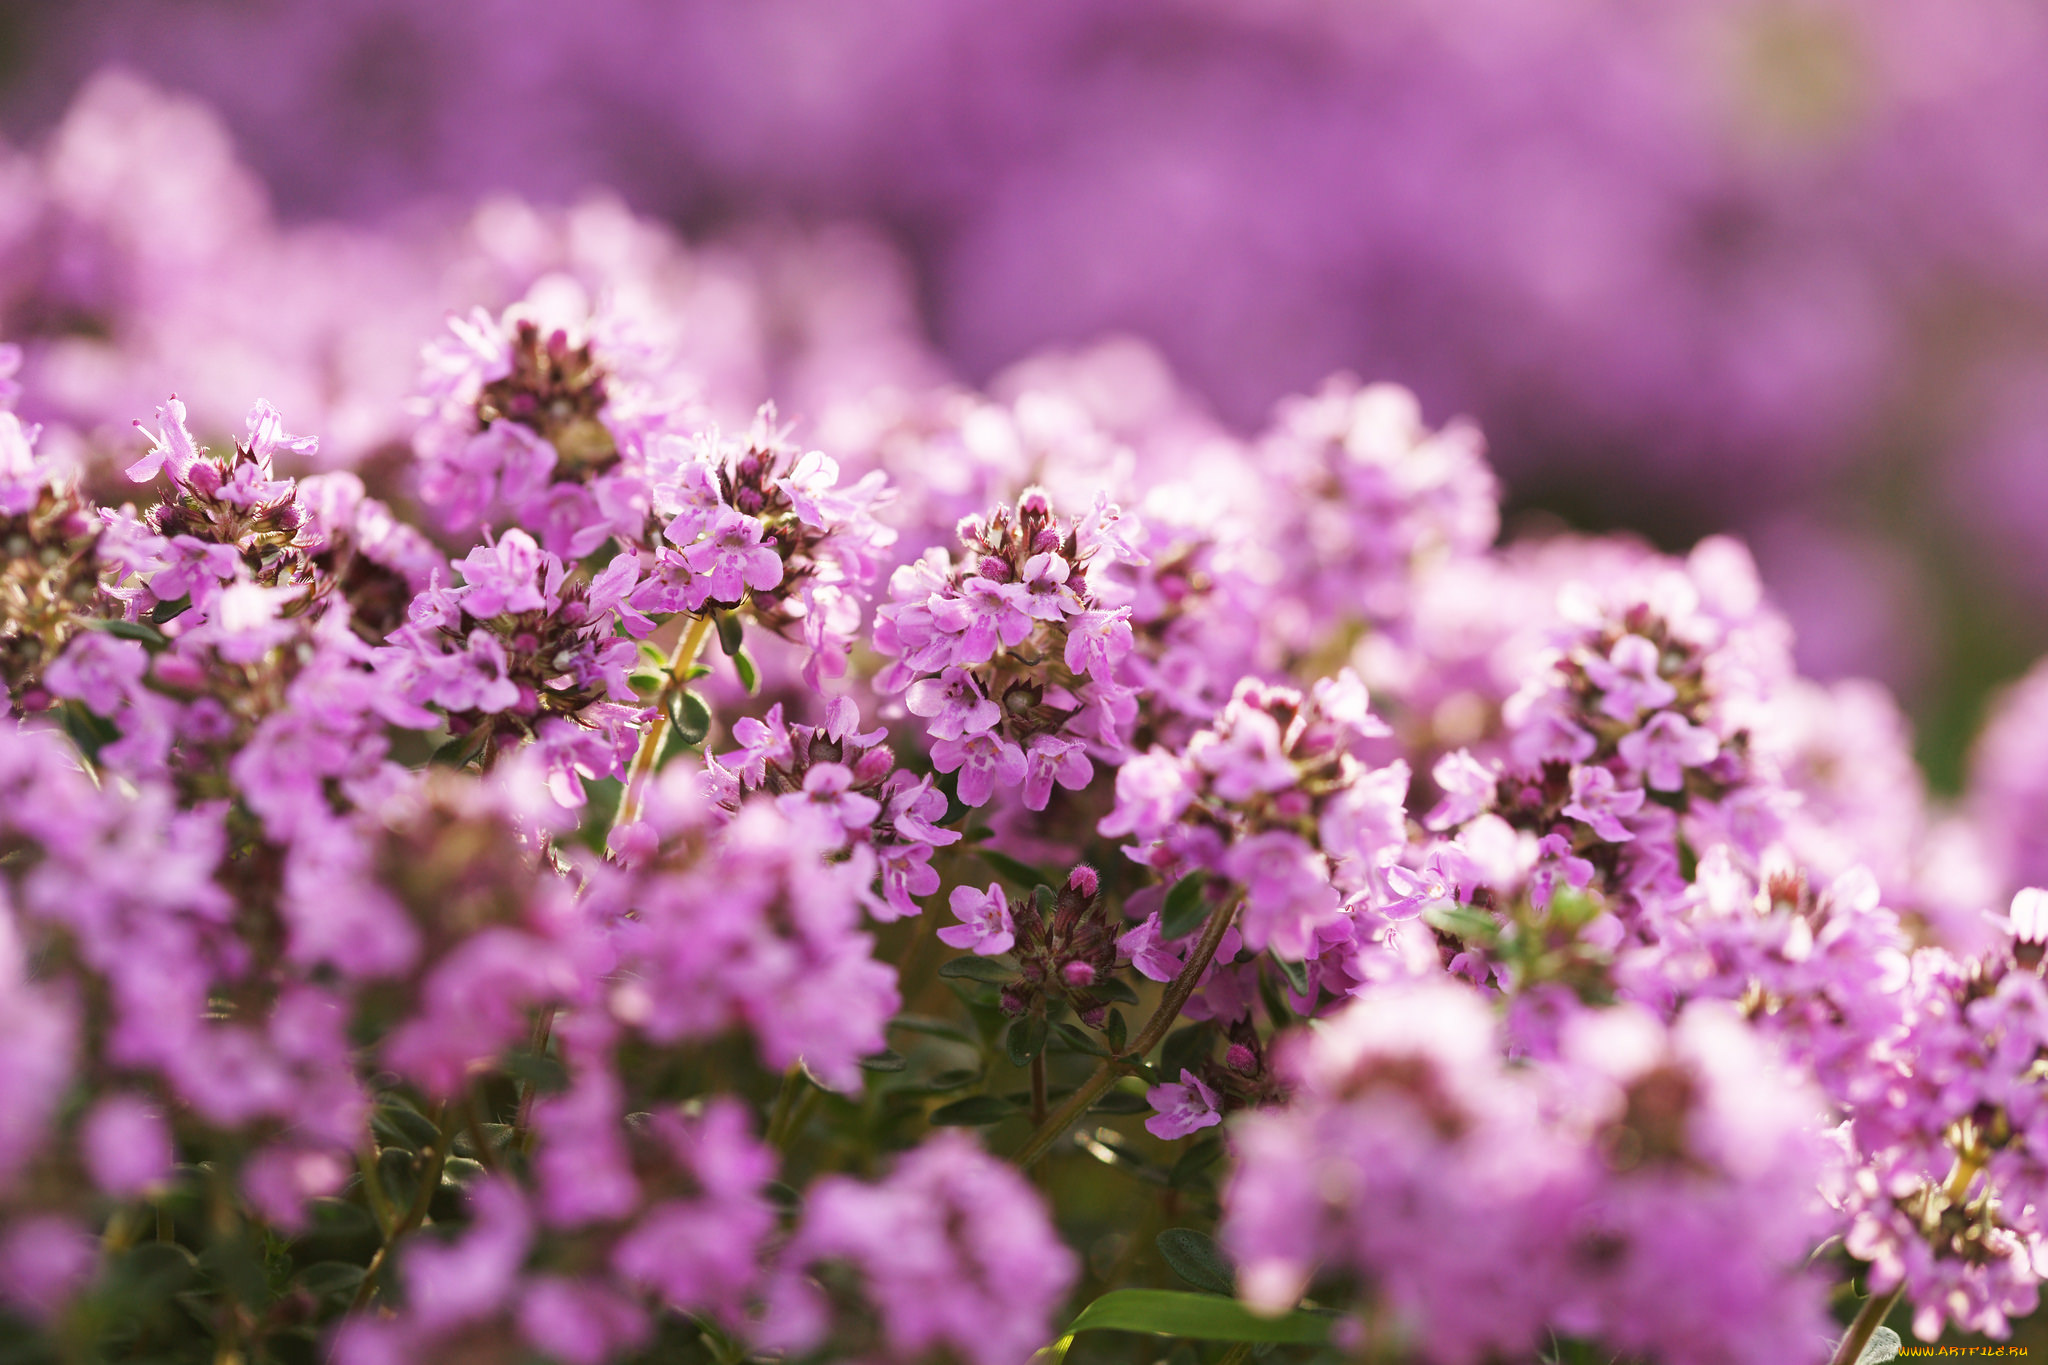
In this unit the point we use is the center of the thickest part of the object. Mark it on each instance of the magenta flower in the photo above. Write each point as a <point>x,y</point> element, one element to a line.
<point>828,787</point>
<point>171,447</point>
<point>1598,800</point>
<point>1628,678</point>
<point>984,615</point>
<point>985,925</point>
<point>126,1145</point>
<point>504,578</point>
<point>1097,641</point>
<point>984,762</point>
<point>1142,948</point>
<point>1467,785</point>
<point>1051,759</point>
<point>953,703</point>
<point>1182,1109</point>
<point>1665,747</point>
<point>1152,790</point>
<point>735,556</point>
<point>1046,595</point>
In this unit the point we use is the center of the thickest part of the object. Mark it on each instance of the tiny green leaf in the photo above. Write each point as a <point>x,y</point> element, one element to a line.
<point>886,1060</point>
<point>1114,988</point>
<point>132,630</point>
<point>973,1112</point>
<point>750,677</point>
<point>1114,1031</point>
<point>993,970</point>
<point>730,632</point>
<point>1296,974</point>
<point>1201,1317</point>
<point>1196,1258</point>
<point>1185,908</point>
<point>1026,1039</point>
<point>1078,1039</point>
<point>1461,921</point>
<point>690,716</point>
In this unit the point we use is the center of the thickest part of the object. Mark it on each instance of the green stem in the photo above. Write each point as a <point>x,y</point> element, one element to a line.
<point>1170,1004</point>
<point>641,773</point>
<point>416,1214</point>
<point>638,777</point>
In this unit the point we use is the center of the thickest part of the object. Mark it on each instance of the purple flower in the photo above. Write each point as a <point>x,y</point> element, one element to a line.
<point>1288,895</point>
<point>171,447</point>
<point>1664,748</point>
<point>954,705</point>
<point>126,1145</point>
<point>984,762</point>
<point>502,578</point>
<point>828,787</point>
<point>475,680</point>
<point>1046,595</point>
<point>763,742</point>
<point>1599,801</point>
<point>1152,790</point>
<point>734,556</point>
<point>1182,1109</point>
<point>1628,678</point>
<point>1143,949</point>
<point>99,670</point>
<point>23,477</point>
<point>1097,641</point>
<point>1467,785</point>
<point>1416,890</point>
<point>983,615</point>
<point>1051,759</point>
<point>985,924</point>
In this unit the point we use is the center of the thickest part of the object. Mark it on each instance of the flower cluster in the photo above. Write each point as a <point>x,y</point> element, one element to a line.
<point>1009,658</point>
<point>887,813</point>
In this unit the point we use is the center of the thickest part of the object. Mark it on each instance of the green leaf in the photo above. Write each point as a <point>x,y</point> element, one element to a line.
<point>1026,1039</point>
<point>1078,1039</point>
<point>1114,1031</point>
<point>943,1083</point>
<point>750,677</point>
<point>730,632</point>
<point>132,630</point>
<point>1114,988</point>
<point>972,1112</point>
<point>1201,1317</point>
<point>1203,1153</point>
<point>330,1277</point>
<point>1196,1258</point>
<point>885,1060</point>
<point>1185,1047</point>
<point>400,1126</point>
<point>937,1028</point>
<point>690,716</point>
<point>994,970</point>
<point>1043,898</point>
<point>1296,974</point>
<point>541,1070</point>
<point>652,660</point>
<point>170,611</point>
<point>1461,921</point>
<point>1186,907</point>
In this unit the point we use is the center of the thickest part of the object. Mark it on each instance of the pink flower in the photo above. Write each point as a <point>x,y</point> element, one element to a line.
<point>1182,1109</point>
<point>1467,785</point>
<point>735,556</point>
<point>985,924</point>
<point>828,787</point>
<point>1663,749</point>
<point>1046,595</point>
<point>1052,759</point>
<point>1097,641</point>
<point>983,761</point>
<point>1598,800</point>
<point>953,703</point>
<point>1628,678</point>
<point>984,615</point>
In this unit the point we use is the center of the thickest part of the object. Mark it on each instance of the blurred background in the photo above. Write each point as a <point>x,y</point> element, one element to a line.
<point>1771,266</point>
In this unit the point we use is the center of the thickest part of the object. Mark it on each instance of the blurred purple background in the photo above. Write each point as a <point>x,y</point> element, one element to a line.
<point>1778,266</point>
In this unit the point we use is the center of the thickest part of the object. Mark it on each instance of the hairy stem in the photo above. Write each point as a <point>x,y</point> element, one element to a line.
<point>1177,992</point>
<point>1878,1307</point>
<point>631,801</point>
<point>642,771</point>
<point>416,1214</point>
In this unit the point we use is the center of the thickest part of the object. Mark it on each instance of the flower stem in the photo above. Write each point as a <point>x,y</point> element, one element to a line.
<point>638,776</point>
<point>651,744</point>
<point>430,1181</point>
<point>1177,992</point>
<point>1878,1307</point>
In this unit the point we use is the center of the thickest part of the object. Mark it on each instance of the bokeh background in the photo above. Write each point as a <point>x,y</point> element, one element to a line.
<point>1771,266</point>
